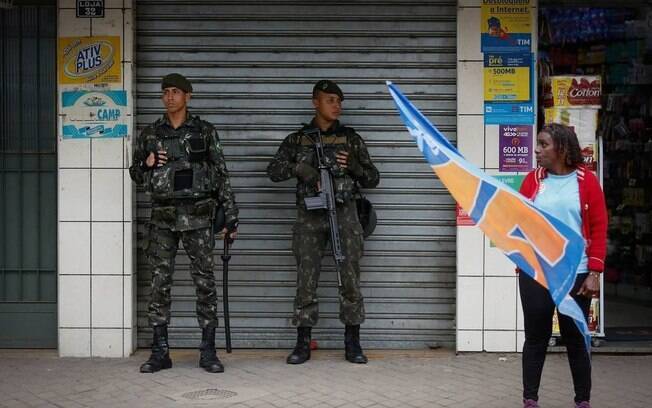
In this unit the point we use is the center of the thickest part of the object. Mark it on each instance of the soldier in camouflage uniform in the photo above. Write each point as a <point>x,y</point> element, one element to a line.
<point>179,161</point>
<point>351,167</point>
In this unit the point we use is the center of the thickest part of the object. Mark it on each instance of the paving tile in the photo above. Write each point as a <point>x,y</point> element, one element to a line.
<point>262,379</point>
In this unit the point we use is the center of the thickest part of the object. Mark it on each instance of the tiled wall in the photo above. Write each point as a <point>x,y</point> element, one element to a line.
<point>97,277</point>
<point>489,315</point>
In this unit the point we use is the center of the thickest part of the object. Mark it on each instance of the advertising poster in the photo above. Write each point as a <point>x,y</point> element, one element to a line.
<point>94,114</point>
<point>517,113</point>
<point>462,218</point>
<point>506,26</point>
<point>507,77</point>
<point>89,60</point>
<point>515,148</point>
<point>512,180</point>
<point>508,85</point>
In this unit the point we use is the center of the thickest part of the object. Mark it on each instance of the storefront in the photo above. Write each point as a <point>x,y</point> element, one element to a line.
<point>604,55</point>
<point>253,65</point>
<point>597,44</point>
<point>593,73</point>
<point>428,279</point>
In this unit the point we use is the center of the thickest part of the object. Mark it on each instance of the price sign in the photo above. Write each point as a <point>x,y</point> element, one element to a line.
<point>515,148</point>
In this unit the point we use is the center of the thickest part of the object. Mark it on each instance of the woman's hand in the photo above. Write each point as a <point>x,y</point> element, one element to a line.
<point>591,285</point>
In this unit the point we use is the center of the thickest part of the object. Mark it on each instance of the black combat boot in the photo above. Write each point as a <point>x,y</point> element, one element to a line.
<point>301,352</point>
<point>160,358</point>
<point>207,356</point>
<point>353,351</point>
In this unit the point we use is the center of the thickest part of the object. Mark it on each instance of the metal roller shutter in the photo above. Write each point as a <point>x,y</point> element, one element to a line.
<point>253,65</point>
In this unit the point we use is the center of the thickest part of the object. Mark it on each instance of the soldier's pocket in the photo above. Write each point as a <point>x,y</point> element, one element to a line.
<point>353,240</point>
<point>201,180</point>
<point>147,238</point>
<point>150,244</point>
<point>355,227</point>
<point>167,214</point>
<point>215,178</point>
<point>205,208</point>
<point>196,148</point>
<point>161,182</point>
<point>302,238</point>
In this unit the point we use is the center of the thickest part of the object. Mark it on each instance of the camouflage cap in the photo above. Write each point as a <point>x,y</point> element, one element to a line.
<point>177,81</point>
<point>327,86</point>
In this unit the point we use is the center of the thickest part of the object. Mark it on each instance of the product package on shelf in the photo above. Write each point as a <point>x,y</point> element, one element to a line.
<point>643,224</point>
<point>575,91</point>
<point>594,314</point>
<point>585,123</point>
<point>574,102</point>
<point>624,51</point>
<point>592,55</point>
<point>576,25</point>
<point>593,320</point>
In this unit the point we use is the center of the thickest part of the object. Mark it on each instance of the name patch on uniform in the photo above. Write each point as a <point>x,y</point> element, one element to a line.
<point>335,140</point>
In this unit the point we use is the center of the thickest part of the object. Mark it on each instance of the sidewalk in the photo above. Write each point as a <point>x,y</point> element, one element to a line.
<point>260,378</point>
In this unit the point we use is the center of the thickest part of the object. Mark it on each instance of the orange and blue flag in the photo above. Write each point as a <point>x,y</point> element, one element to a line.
<point>538,243</point>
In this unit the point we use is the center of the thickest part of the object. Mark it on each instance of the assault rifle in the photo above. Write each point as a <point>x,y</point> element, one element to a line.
<point>325,200</point>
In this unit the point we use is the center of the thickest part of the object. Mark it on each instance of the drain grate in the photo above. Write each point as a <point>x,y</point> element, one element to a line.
<point>209,394</point>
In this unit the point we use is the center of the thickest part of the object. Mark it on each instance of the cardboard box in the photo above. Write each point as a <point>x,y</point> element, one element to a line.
<point>590,155</point>
<point>585,123</point>
<point>576,91</point>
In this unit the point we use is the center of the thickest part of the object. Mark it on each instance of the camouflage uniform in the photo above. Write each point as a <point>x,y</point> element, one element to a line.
<point>185,195</point>
<point>311,230</point>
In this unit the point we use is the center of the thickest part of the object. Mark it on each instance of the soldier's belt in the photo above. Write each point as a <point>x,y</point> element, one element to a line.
<point>198,207</point>
<point>176,202</point>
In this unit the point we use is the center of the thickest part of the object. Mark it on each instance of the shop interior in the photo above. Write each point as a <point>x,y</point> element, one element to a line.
<point>601,55</point>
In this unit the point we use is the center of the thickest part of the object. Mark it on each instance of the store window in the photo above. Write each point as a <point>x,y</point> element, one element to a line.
<point>595,74</point>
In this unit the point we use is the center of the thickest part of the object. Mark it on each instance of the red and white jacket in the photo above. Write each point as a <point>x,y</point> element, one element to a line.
<point>592,206</point>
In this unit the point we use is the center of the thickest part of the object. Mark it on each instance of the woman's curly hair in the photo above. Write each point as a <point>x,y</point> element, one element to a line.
<point>565,142</point>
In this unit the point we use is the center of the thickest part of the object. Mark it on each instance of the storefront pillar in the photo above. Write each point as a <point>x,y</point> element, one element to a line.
<point>488,312</point>
<point>97,277</point>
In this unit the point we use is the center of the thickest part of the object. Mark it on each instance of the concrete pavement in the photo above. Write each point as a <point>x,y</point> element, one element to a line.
<point>260,378</point>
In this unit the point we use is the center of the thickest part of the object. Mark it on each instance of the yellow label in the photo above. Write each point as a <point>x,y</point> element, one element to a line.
<point>89,60</point>
<point>506,84</point>
<point>516,16</point>
<point>560,88</point>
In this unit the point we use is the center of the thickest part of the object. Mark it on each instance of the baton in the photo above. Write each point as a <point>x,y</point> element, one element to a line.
<point>225,291</point>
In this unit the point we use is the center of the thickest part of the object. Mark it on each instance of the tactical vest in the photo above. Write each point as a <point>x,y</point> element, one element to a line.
<point>344,186</point>
<point>187,173</point>
<point>346,189</point>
